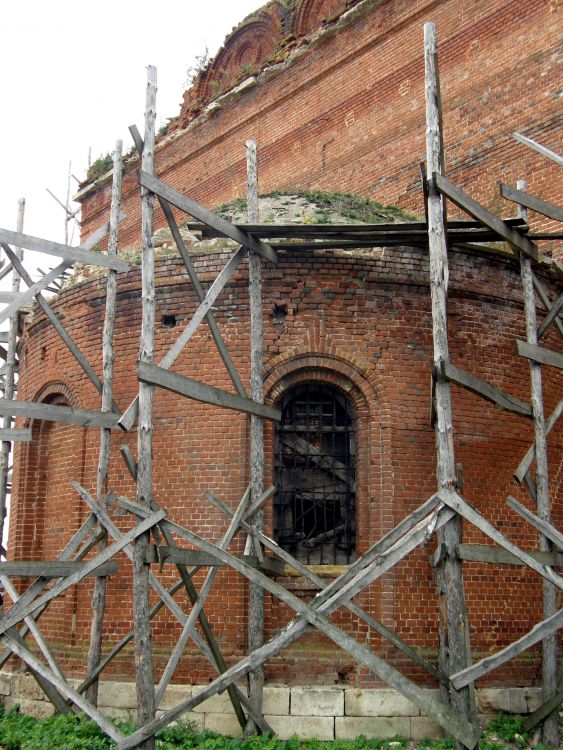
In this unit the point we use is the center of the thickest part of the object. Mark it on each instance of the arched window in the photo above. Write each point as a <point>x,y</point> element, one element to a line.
<point>314,507</point>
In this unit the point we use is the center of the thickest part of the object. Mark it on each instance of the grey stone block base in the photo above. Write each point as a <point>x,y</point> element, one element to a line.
<point>326,713</point>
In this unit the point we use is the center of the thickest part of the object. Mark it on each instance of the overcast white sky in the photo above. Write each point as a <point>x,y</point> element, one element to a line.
<point>73,77</point>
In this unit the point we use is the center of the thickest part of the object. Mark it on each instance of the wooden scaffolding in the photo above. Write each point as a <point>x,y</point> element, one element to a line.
<point>91,550</point>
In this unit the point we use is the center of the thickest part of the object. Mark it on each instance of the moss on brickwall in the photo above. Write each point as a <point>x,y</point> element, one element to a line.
<point>315,207</point>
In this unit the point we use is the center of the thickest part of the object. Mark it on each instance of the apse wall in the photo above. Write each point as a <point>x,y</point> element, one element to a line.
<point>359,321</point>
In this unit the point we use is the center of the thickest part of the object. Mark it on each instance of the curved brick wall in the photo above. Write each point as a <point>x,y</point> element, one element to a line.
<point>358,320</point>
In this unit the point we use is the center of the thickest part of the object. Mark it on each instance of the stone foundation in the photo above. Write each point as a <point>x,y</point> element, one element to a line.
<point>326,713</point>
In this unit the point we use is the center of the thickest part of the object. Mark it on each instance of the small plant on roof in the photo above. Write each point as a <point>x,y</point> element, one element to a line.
<point>98,168</point>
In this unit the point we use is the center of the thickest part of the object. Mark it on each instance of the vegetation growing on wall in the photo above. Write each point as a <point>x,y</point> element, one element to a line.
<point>319,207</point>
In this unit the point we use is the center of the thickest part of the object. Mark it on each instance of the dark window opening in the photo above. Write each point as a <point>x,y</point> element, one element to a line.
<point>169,321</point>
<point>314,509</point>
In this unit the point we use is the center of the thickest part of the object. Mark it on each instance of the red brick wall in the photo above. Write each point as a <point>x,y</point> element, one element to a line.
<point>359,321</point>
<point>348,114</point>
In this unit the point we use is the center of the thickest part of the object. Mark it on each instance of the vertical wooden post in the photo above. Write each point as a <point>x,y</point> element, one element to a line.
<point>453,623</point>
<point>550,732</point>
<point>99,595</point>
<point>256,594</point>
<point>10,378</point>
<point>143,645</point>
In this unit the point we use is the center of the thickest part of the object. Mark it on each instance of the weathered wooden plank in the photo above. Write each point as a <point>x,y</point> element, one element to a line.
<point>546,302</point>
<point>36,633</point>
<point>211,322</point>
<point>486,390</point>
<point>197,607</point>
<point>198,391</point>
<point>457,503</point>
<point>193,208</point>
<point>542,526</point>
<point>309,575</point>
<point>63,687</point>
<point>55,413</point>
<point>499,556</point>
<point>69,550</point>
<point>535,204</point>
<point>553,704</point>
<point>6,297</point>
<point>10,378</point>
<point>52,569</point>
<point>166,555</point>
<point>539,148</point>
<point>255,624</point>
<point>552,316</point>
<point>129,458</point>
<point>60,329</point>
<point>32,291</point>
<point>550,729</point>
<point>73,254</point>
<point>99,594</point>
<point>36,287</point>
<point>21,435</point>
<point>506,232</point>
<point>453,650</point>
<point>118,648</point>
<point>144,669</point>
<point>540,354</point>
<point>128,418</point>
<point>483,667</point>
<point>455,724</point>
<point>526,462</point>
<point>18,612</point>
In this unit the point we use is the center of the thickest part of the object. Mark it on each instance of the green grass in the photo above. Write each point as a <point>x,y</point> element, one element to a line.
<point>76,732</point>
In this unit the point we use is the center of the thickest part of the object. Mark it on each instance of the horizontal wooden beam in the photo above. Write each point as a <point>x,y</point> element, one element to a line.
<point>52,569</point>
<point>534,204</point>
<point>486,553</point>
<point>15,434</point>
<point>208,217</point>
<point>20,610</point>
<point>479,669</point>
<point>540,354</point>
<point>505,231</point>
<point>56,413</point>
<point>73,254</point>
<point>6,297</point>
<point>198,391</point>
<point>487,391</point>
<point>456,502</point>
<point>176,556</point>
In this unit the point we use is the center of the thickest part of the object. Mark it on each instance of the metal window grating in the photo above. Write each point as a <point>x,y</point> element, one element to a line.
<point>314,508</point>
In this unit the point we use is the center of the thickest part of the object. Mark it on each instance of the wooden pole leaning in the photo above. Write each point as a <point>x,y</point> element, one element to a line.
<point>550,729</point>
<point>144,674</point>
<point>9,387</point>
<point>454,637</point>
<point>255,591</point>
<point>99,595</point>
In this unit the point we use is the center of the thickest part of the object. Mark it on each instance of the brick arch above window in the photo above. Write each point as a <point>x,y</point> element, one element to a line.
<point>55,392</point>
<point>360,385</point>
